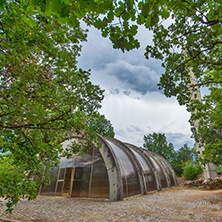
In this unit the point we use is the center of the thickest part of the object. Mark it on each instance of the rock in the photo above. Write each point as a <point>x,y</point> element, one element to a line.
<point>209,184</point>
<point>194,183</point>
<point>213,184</point>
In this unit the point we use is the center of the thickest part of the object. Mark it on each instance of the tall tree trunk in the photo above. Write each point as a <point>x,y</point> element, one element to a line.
<point>209,169</point>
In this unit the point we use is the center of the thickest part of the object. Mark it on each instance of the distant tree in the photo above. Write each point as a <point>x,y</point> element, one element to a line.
<point>101,125</point>
<point>186,153</point>
<point>157,142</point>
<point>181,156</point>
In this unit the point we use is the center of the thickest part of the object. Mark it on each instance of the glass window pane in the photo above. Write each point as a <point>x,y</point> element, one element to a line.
<point>59,188</point>
<point>159,170</point>
<point>100,181</point>
<point>81,182</point>
<point>167,167</point>
<point>67,182</point>
<point>149,176</point>
<point>50,188</point>
<point>61,173</point>
<point>130,178</point>
<point>64,162</point>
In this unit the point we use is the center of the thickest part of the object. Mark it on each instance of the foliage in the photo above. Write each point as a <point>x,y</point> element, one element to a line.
<point>192,41</point>
<point>43,95</point>
<point>209,112</point>
<point>101,125</point>
<point>157,142</point>
<point>183,155</point>
<point>13,184</point>
<point>191,170</point>
<point>189,39</point>
<point>219,168</point>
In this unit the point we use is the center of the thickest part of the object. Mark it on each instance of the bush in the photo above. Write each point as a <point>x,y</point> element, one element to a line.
<point>14,183</point>
<point>191,170</point>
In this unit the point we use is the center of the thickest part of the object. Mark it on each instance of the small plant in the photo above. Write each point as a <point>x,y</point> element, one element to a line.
<point>219,168</point>
<point>191,170</point>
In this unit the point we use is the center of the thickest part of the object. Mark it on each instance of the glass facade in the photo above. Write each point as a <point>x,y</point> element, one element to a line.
<point>160,171</point>
<point>147,170</point>
<point>129,175</point>
<point>115,171</point>
<point>100,181</point>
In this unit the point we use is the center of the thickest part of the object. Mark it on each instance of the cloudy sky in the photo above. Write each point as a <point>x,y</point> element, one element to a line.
<point>133,103</point>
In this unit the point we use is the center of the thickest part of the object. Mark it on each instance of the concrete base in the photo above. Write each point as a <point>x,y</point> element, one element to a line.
<point>210,171</point>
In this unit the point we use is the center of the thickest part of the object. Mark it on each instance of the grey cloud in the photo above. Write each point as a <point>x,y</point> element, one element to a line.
<point>179,139</point>
<point>120,132</point>
<point>135,77</point>
<point>132,128</point>
<point>130,68</point>
<point>114,91</point>
<point>127,93</point>
<point>129,76</point>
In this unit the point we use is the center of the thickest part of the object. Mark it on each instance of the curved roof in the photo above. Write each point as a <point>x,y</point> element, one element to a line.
<point>114,171</point>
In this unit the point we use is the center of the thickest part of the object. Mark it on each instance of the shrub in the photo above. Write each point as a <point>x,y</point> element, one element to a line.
<point>191,170</point>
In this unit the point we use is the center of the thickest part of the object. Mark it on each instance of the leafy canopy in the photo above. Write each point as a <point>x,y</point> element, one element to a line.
<point>44,97</point>
<point>189,39</point>
<point>43,94</point>
<point>101,125</point>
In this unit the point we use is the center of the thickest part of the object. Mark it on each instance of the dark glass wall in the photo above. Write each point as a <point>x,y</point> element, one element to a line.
<point>100,181</point>
<point>159,169</point>
<point>147,170</point>
<point>80,176</point>
<point>87,176</point>
<point>130,179</point>
<point>50,188</point>
<point>81,180</point>
<point>169,171</point>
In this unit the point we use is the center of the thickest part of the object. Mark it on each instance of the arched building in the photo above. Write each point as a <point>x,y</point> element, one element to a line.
<point>114,171</point>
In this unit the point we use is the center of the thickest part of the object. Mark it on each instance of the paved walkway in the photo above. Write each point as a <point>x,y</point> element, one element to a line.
<point>173,204</point>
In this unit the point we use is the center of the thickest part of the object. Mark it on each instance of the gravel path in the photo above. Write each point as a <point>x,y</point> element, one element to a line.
<point>175,204</point>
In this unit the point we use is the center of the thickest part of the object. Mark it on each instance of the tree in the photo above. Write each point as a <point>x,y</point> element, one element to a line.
<point>43,95</point>
<point>181,157</point>
<point>209,132</point>
<point>101,125</point>
<point>12,182</point>
<point>186,153</point>
<point>157,142</point>
<point>192,40</point>
<point>195,28</point>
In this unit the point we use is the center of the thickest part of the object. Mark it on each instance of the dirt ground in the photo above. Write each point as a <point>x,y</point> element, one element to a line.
<point>173,204</point>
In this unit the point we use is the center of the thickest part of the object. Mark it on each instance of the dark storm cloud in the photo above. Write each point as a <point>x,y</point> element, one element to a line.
<point>130,68</point>
<point>135,77</point>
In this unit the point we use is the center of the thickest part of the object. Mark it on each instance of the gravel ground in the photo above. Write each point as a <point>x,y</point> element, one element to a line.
<point>175,204</point>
